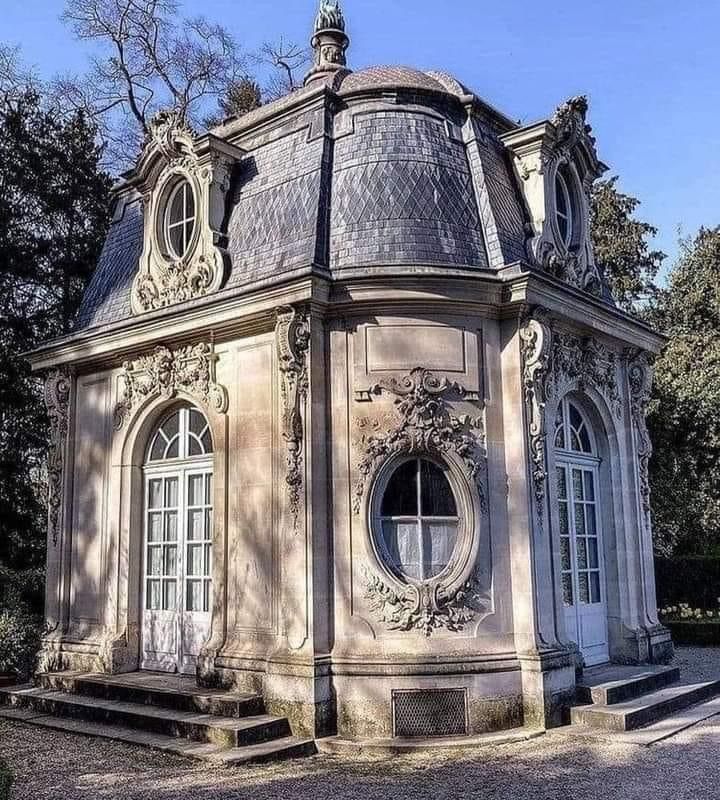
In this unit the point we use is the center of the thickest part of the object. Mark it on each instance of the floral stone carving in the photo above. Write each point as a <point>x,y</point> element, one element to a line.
<point>425,425</point>
<point>166,372</point>
<point>536,350</point>
<point>57,401</point>
<point>293,342</point>
<point>639,370</point>
<point>427,607</point>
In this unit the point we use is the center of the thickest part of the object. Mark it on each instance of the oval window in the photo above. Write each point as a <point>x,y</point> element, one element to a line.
<point>180,219</point>
<point>419,522</point>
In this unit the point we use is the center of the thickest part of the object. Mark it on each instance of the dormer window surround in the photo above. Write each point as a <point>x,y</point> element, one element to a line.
<point>184,180</point>
<point>556,164</point>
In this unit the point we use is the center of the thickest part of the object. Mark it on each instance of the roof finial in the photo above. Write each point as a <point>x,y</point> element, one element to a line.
<point>329,41</point>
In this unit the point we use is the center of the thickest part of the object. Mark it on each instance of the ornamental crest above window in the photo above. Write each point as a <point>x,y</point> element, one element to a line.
<point>184,180</point>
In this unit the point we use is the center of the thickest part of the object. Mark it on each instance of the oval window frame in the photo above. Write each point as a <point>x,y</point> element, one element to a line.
<point>165,194</point>
<point>463,559</point>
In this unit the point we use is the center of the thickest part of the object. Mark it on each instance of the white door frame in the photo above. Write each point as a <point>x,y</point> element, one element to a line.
<point>586,621</point>
<point>187,631</point>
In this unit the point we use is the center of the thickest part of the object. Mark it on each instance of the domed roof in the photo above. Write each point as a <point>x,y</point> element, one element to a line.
<point>380,77</point>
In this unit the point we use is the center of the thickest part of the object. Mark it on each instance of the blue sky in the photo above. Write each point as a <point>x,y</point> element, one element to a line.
<point>650,68</point>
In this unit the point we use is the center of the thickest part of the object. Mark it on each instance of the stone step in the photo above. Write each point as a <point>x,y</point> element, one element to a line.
<point>616,684</point>
<point>178,693</point>
<point>644,710</point>
<point>283,748</point>
<point>197,727</point>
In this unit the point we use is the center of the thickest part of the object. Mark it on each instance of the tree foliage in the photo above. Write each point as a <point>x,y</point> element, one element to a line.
<point>621,245</point>
<point>53,218</point>
<point>148,57</point>
<point>685,416</point>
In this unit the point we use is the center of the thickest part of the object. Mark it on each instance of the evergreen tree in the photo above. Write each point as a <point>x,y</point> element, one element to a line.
<point>53,218</point>
<point>621,245</point>
<point>685,415</point>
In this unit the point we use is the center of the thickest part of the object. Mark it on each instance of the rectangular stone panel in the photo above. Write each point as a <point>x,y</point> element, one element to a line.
<point>251,546</point>
<point>90,486</point>
<point>403,347</point>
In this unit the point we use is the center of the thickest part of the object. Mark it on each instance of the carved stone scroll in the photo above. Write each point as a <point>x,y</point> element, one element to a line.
<point>536,349</point>
<point>424,424</point>
<point>57,401</point>
<point>639,371</point>
<point>427,607</point>
<point>166,372</point>
<point>293,341</point>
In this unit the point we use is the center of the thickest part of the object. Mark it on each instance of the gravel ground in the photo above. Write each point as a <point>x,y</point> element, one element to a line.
<point>59,766</point>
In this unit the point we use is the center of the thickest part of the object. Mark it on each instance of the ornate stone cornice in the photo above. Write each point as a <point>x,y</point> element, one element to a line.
<point>292,334</point>
<point>427,607</point>
<point>57,401</point>
<point>165,373</point>
<point>424,424</point>
<point>640,376</point>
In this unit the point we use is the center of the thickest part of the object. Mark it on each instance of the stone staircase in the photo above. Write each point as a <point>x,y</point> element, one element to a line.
<point>165,712</point>
<point>618,698</point>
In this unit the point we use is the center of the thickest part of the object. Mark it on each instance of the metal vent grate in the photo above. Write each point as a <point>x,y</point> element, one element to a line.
<point>429,712</point>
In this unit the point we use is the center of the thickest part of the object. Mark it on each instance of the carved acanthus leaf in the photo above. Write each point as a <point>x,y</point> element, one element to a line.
<point>167,372</point>
<point>536,350</point>
<point>427,607</point>
<point>424,424</point>
<point>583,362</point>
<point>293,342</point>
<point>170,133</point>
<point>57,401</point>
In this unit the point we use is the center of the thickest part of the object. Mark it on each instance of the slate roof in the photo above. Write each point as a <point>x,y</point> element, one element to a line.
<point>403,181</point>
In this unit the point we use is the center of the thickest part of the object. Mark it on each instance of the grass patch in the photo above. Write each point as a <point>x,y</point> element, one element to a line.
<point>5,781</point>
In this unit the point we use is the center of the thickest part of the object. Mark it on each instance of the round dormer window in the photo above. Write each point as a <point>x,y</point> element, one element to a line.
<point>564,208</point>
<point>418,525</point>
<point>180,219</point>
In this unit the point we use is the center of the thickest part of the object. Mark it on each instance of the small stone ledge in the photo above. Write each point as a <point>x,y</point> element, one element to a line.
<point>339,744</point>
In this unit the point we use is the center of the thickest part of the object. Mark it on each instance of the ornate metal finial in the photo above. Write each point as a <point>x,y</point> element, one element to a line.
<point>329,41</point>
<point>329,16</point>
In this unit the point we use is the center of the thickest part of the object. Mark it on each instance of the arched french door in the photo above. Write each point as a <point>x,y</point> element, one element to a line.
<point>177,561</point>
<point>581,538</point>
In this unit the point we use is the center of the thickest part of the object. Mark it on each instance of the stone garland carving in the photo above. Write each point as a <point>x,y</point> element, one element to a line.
<point>426,425</point>
<point>293,342</point>
<point>553,362</point>
<point>166,372</point>
<point>57,401</point>
<point>586,362</point>
<point>426,607</point>
<point>639,370</point>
